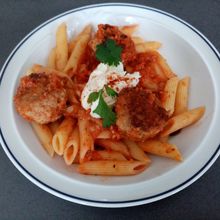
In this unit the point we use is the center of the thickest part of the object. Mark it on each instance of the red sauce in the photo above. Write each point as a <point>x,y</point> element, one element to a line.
<point>146,64</point>
<point>113,81</point>
<point>88,63</point>
<point>96,155</point>
<point>141,62</point>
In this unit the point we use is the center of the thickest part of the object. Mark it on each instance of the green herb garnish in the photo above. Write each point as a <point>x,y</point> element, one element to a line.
<point>109,52</point>
<point>102,109</point>
<point>110,91</point>
<point>93,97</point>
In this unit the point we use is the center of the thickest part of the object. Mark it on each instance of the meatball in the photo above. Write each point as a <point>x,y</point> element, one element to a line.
<point>139,114</point>
<point>106,31</point>
<point>41,97</point>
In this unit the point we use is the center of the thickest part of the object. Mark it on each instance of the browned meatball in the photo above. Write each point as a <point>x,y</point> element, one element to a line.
<point>139,115</point>
<point>106,31</point>
<point>41,97</point>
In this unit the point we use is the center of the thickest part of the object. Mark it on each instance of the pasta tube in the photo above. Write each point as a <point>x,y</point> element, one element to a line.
<point>181,102</point>
<point>114,145</point>
<point>61,47</point>
<point>72,147</point>
<point>170,90</point>
<point>62,134</point>
<point>76,54</point>
<point>112,168</point>
<point>86,139</point>
<point>183,120</point>
<point>107,155</point>
<point>136,152</point>
<point>129,29</point>
<point>161,149</point>
<point>45,136</point>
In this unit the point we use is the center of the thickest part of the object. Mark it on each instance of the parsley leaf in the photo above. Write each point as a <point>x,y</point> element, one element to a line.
<point>105,112</point>
<point>109,52</point>
<point>110,91</point>
<point>93,97</point>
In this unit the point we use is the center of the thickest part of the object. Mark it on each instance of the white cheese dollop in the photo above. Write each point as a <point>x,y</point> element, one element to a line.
<point>113,76</point>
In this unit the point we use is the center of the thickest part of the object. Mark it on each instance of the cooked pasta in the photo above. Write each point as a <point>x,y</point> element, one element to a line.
<point>160,148</point>
<point>62,134</point>
<point>86,139</point>
<point>106,101</point>
<point>117,146</point>
<point>61,47</point>
<point>182,93</point>
<point>72,147</point>
<point>45,136</point>
<point>112,168</point>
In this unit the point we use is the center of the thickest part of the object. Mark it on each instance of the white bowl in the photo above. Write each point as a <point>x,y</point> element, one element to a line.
<point>187,51</point>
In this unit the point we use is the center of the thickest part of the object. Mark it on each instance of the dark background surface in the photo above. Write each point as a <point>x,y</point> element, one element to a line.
<point>20,199</point>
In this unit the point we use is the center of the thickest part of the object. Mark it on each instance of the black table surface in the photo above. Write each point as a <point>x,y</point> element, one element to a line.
<point>20,199</point>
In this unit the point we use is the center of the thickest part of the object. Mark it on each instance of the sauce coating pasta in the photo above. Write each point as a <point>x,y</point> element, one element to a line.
<point>106,100</point>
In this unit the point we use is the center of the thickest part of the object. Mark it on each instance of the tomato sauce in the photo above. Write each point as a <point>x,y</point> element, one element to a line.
<point>88,63</point>
<point>147,65</point>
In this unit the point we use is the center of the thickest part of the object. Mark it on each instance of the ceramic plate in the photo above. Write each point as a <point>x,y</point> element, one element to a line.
<point>187,51</point>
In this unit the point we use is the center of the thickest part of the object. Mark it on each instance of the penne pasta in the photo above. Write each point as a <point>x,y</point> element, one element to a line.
<point>51,63</point>
<point>77,53</point>
<point>45,136</point>
<point>152,45</point>
<point>114,146</point>
<point>183,120</point>
<point>105,134</point>
<point>86,31</point>
<point>140,48</point>
<point>62,134</point>
<point>112,168</point>
<point>61,47</point>
<point>159,71</point>
<point>129,29</point>
<point>72,147</point>
<point>170,91</point>
<point>107,155</point>
<point>147,46</point>
<point>136,152</point>
<point>181,102</point>
<point>163,149</point>
<point>106,113</point>
<point>137,40</point>
<point>165,67</point>
<point>86,139</point>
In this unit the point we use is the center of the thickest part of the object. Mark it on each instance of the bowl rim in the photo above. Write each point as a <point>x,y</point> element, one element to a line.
<point>91,202</point>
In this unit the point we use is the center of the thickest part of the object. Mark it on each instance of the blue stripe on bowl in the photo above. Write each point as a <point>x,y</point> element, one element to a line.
<point>81,200</point>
